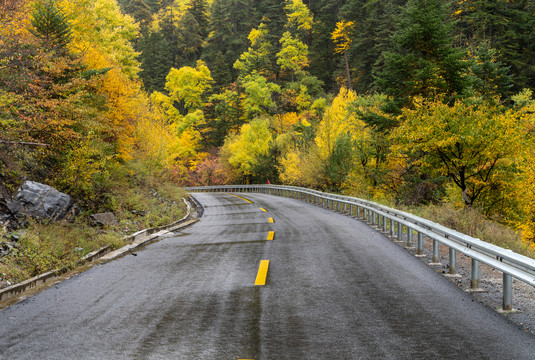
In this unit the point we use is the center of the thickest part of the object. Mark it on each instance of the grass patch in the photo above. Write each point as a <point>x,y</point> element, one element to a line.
<point>43,247</point>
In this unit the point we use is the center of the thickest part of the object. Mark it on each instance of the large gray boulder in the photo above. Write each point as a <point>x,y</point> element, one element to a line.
<point>40,201</point>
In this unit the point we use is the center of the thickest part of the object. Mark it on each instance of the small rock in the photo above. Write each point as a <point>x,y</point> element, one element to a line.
<point>104,219</point>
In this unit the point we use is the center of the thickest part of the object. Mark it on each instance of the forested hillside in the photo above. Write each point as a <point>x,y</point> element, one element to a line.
<point>405,102</point>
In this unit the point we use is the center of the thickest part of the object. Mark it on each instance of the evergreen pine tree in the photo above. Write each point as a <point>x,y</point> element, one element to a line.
<point>503,25</point>
<point>139,10</point>
<point>423,60</point>
<point>199,10</point>
<point>322,62</point>
<point>50,24</point>
<point>374,25</point>
<point>231,22</point>
<point>156,61</point>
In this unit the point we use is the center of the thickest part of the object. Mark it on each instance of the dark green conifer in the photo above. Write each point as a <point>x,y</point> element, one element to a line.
<point>50,24</point>
<point>422,60</point>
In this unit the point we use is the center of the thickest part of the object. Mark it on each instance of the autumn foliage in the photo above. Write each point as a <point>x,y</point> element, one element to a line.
<point>405,102</point>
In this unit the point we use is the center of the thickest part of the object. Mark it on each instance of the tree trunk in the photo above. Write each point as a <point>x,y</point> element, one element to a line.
<point>348,75</point>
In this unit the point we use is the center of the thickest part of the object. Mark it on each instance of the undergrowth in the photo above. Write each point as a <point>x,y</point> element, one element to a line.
<point>471,222</point>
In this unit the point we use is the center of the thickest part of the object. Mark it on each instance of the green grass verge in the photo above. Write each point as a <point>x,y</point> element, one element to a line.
<point>45,246</point>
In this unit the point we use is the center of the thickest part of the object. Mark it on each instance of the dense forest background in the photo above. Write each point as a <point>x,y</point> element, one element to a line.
<point>405,102</point>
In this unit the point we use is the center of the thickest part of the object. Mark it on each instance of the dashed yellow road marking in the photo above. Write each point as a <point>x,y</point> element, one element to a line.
<point>271,220</point>
<point>271,235</point>
<point>264,210</point>
<point>241,197</point>
<point>262,273</point>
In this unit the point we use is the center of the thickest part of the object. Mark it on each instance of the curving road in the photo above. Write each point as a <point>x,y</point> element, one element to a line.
<point>335,289</point>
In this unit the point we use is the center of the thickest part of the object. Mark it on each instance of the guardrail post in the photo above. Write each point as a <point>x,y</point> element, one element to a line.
<point>453,261</point>
<point>420,248</point>
<point>385,226</point>
<point>409,237</point>
<point>400,230</point>
<point>507,292</point>
<point>436,255</point>
<point>392,227</point>
<point>474,281</point>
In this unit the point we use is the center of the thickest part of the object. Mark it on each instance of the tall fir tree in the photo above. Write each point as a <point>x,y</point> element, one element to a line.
<point>374,25</point>
<point>231,22</point>
<point>423,60</point>
<point>503,25</point>
<point>322,63</point>
<point>50,24</point>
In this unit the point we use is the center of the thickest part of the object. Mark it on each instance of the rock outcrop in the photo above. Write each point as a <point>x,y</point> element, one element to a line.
<point>40,201</point>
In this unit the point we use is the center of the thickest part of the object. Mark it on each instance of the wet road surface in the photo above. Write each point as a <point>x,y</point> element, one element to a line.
<point>335,289</point>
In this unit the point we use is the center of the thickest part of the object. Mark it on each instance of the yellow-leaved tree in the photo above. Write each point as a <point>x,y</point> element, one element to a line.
<point>242,152</point>
<point>475,143</point>
<point>337,120</point>
<point>342,37</point>
<point>100,35</point>
<point>525,113</point>
<point>186,89</point>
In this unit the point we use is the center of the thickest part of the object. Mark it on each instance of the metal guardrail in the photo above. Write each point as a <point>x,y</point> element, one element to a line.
<point>511,264</point>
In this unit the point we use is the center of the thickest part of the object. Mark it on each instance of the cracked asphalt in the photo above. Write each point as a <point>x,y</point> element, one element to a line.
<point>335,289</point>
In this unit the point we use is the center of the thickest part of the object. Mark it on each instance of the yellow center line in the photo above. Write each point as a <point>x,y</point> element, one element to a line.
<point>241,197</point>
<point>262,273</point>
<point>264,210</point>
<point>271,235</point>
<point>271,220</point>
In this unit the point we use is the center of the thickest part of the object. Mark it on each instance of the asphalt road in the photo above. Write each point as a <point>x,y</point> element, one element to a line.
<point>335,289</point>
